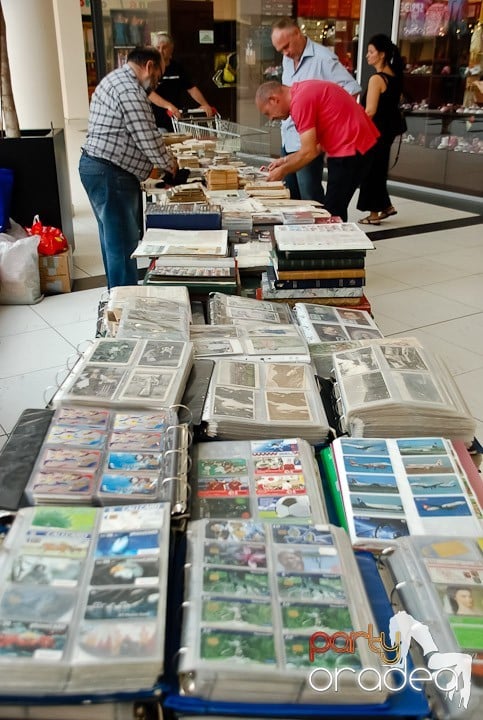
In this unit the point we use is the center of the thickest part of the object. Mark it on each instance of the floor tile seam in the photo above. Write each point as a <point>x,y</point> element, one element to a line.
<point>33,372</point>
<point>423,228</point>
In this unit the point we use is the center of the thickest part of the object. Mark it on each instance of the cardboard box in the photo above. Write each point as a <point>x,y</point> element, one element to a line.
<point>56,272</point>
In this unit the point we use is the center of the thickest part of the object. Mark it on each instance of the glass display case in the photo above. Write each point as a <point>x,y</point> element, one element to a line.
<point>442,46</point>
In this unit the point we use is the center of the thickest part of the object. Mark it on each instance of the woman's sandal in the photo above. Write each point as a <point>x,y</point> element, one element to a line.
<point>369,221</point>
<point>387,213</point>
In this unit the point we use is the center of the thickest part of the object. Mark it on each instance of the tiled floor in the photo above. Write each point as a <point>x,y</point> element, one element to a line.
<point>424,284</point>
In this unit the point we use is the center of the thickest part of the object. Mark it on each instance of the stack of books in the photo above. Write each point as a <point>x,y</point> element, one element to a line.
<point>267,189</point>
<point>321,263</point>
<point>200,275</point>
<point>384,489</point>
<point>222,177</point>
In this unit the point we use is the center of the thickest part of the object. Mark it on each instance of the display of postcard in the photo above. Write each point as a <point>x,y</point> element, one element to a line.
<point>155,319</point>
<point>234,310</point>
<point>99,456</point>
<point>435,582</point>
<point>397,388</point>
<point>158,241</point>
<point>262,341</point>
<point>137,373</point>
<point>253,600</point>
<point>83,599</point>
<point>264,480</point>
<point>324,236</point>
<point>325,324</point>
<point>403,486</point>
<point>175,300</point>
<point>264,400</point>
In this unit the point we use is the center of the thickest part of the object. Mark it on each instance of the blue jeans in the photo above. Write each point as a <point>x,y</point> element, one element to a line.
<point>115,197</point>
<point>306,183</point>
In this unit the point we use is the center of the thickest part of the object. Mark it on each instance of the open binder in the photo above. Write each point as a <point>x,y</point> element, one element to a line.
<point>436,581</point>
<point>262,400</point>
<point>398,388</point>
<point>100,456</point>
<point>128,372</point>
<point>83,599</point>
<point>385,488</point>
<point>269,480</point>
<point>252,604</point>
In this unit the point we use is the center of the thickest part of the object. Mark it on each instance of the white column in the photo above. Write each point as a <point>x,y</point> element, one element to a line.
<point>34,63</point>
<point>71,58</point>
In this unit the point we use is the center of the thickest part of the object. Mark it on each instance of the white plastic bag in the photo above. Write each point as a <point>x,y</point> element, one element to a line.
<point>19,268</point>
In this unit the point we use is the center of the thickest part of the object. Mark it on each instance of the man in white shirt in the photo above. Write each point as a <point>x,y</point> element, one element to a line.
<point>304,59</point>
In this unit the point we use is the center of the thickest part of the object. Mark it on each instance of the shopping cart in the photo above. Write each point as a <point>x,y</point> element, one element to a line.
<point>229,136</point>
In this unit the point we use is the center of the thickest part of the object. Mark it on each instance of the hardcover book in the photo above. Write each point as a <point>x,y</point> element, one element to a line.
<point>183,216</point>
<point>340,280</point>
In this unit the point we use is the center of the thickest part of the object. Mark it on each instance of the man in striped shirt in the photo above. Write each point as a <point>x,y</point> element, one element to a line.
<point>121,148</point>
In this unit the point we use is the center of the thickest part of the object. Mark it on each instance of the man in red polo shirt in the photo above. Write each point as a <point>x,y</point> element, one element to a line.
<point>327,118</point>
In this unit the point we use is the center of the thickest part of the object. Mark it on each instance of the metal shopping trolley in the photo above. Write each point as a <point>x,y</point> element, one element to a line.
<point>229,136</point>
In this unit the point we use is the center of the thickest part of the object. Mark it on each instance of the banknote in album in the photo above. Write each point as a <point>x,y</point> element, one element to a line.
<point>128,372</point>
<point>255,594</point>
<point>436,583</point>
<point>92,455</point>
<point>260,400</point>
<point>262,341</point>
<point>269,480</point>
<point>230,310</point>
<point>398,388</point>
<point>158,241</point>
<point>83,599</point>
<point>385,488</point>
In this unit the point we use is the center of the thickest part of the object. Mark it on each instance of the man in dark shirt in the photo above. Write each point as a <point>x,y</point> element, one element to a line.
<point>175,86</point>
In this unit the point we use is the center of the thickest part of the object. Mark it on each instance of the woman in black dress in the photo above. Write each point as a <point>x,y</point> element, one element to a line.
<point>381,102</point>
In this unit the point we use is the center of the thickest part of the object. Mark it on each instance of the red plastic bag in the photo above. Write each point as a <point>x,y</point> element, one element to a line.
<point>52,240</point>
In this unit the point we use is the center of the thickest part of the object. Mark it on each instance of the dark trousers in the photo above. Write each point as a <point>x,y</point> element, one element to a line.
<point>306,183</point>
<point>373,195</point>
<point>344,175</point>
